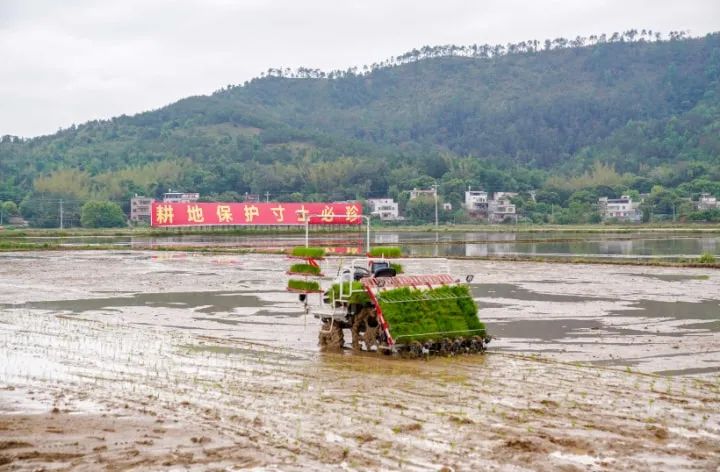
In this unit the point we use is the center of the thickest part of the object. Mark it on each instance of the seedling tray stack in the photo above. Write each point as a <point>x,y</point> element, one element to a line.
<point>424,308</point>
<point>307,269</point>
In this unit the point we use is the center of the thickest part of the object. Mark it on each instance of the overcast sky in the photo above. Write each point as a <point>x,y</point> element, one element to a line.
<point>69,61</point>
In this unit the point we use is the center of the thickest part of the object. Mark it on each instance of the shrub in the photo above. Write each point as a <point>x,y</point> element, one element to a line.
<point>313,252</point>
<point>102,215</point>
<point>385,251</point>
<point>398,268</point>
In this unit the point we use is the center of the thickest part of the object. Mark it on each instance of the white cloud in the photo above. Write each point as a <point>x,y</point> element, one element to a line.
<point>71,61</point>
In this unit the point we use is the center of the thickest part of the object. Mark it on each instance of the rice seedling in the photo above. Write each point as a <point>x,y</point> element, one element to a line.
<point>385,251</point>
<point>303,285</point>
<point>308,252</point>
<point>416,315</point>
<point>305,269</point>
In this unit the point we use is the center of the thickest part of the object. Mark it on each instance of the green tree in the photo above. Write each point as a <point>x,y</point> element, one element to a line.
<point>43,210</point>
<point>9,209</point>
<point>96,214</point>
<point>421,210</point>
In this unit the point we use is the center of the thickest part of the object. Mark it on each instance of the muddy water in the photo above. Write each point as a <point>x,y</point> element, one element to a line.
<point>203,362</point>
<point>201,302</point>
<point>516,292</point>
<point>678,310</point>
<point>578,313</point>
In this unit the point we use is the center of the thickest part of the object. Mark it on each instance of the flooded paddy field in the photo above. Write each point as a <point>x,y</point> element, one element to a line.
<point>637,245</point>
<point>142,360</point>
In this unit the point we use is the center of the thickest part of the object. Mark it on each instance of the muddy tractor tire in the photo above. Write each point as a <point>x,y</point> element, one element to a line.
<point>331,337</point>
<point>365,329</point>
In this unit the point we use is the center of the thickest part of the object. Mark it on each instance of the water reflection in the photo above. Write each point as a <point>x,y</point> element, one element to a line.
<point>439,244</point>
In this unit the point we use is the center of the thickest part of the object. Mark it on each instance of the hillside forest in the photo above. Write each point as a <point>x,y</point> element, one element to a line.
<point>565,120</point>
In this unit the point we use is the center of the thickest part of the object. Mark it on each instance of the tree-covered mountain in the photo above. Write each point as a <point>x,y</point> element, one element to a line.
<point>600,115</point>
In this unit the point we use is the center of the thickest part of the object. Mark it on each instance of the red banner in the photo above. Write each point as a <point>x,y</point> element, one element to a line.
<point>248,214</point>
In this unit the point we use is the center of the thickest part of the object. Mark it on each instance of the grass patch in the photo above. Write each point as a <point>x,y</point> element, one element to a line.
<point>308,269</point>
<point>25,246</point>
<point>313,252</point>
<point>303,285</point>
<point>417,315</point>
<point>707,258</point>
<point>385,251</point>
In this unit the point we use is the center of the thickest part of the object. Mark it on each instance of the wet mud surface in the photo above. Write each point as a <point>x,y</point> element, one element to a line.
<point>139,361</point>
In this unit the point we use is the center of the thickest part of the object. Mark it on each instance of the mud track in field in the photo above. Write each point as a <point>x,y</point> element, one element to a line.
<point>108,383</point>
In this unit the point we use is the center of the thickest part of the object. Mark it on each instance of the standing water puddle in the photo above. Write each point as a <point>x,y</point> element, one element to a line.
<point>672,277</point>
<point>706,312</point>
<point>202,302</point>
<point>512,291</point>
<point>703,310</point>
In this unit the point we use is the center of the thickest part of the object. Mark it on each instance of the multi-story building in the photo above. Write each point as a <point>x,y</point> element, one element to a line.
<point>384,208</point>
<point>621,209</point>
<point>476,201</point>
<point>501,209</point>
<point>140,209</point>
<point>495,210</point>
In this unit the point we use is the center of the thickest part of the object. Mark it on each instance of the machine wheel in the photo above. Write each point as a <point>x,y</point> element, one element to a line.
<point>477,344</point>
<point>358,325</point>
<point>415,350</point>
<point>371,336</point>
<point>365,329</point>
<point>331,337</point>
<point>447,347</point>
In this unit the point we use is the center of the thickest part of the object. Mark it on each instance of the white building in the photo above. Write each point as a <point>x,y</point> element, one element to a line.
<point>707,202</point>
<point>504,195</point>
<point>621,209</point>
<point>416,192</point>
<point>476,200</point>
<point>140,208</point>
<point>501,209</point>
<point>496,210</point>
<point>179,197</point>
<point>384,208</point>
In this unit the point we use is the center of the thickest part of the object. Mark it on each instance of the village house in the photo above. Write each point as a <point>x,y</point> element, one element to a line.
<point>501,209</point>
<point>620,209</point>
<point>476,201</point>
<point>384,208</point>
<point>707,202</point>
<point>495,210</point>
<point>140,209</point>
